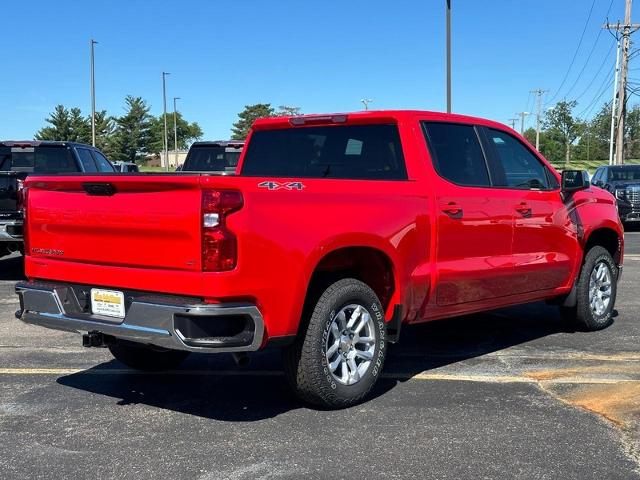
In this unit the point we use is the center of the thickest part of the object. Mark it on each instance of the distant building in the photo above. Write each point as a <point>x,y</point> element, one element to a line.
<point>158,160</point>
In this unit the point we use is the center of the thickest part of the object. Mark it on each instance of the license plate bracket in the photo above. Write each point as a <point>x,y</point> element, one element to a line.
<point>107,303</point>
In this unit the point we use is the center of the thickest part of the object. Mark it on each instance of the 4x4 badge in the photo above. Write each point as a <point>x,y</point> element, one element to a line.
<point>277,185</point>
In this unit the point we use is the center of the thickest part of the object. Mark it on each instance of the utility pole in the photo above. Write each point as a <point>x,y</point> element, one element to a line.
<point>626,29</point>
<point>614,101</point>
<point>522,116</point>
<point>538,92</point>
<point>92,43</point>
<point>366,102</point>
<point>175,128</point>
<point>513,121</point>
<point>164,102</point>
<point>448,21</point>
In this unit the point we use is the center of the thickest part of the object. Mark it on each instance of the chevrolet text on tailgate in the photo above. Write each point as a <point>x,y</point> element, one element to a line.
<point>337,230</point>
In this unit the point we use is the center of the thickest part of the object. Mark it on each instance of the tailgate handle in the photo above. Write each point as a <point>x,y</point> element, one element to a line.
<point>99,189</point>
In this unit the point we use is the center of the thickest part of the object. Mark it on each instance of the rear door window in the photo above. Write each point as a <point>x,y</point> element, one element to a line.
<point>40,159</point>
<point>212,158</point>
<point>520,168</point>
<point>372,152</point>
<point>456,153</point>
<point>86,159</point>
<point>101,161</point>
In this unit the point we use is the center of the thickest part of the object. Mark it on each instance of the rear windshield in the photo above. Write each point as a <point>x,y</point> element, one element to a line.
<point>350,151</point>
<point>37,159</point>
<point>627,173</point>
<point>212,159</point>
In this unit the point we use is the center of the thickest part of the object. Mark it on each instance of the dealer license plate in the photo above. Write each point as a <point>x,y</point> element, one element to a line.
<point>109,303</point>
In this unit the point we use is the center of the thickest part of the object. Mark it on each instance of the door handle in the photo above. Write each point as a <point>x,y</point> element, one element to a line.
<point>524,209</point>
<point>453,210</point>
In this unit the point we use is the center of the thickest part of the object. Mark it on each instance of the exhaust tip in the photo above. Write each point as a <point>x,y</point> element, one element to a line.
<point>242,359</point>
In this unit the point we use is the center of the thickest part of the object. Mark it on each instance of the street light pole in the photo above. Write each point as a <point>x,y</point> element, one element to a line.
<point>175,128</point>
<point>164,103</point>
<point>366,102</point>
<point>92,42</point>
<point>448,56</point>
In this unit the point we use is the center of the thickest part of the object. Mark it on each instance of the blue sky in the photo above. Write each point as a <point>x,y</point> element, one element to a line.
<point>320,55</point>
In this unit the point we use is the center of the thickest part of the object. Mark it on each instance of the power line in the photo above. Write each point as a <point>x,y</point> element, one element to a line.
<point>593,47</point>
<point>575,54</point>
<point>626,30</point>
<point>604,62</point>
<point>603,88</point>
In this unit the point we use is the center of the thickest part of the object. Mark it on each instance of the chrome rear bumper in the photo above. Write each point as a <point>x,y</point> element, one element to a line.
<point>150,318</point>
<point>11,231</point>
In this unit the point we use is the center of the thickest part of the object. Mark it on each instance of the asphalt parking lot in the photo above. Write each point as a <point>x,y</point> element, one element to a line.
<point>507,394</point>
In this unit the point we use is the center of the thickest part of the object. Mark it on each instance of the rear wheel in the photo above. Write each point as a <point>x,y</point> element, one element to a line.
<point>142,357</point>
<point>338,359</point>
<point>596,292</point>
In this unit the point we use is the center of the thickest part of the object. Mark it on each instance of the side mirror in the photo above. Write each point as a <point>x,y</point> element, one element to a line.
<point>574,180</point>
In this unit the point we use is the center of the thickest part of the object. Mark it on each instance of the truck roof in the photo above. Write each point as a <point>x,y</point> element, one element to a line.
<point>366,117</point>
<point>219,143</point>
<point>38,143</point>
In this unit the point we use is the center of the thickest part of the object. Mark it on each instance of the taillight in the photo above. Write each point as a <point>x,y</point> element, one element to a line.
<point>219,244</point>
<point>23,196</point>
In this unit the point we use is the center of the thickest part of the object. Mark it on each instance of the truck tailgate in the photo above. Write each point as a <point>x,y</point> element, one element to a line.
<point>131,221</point>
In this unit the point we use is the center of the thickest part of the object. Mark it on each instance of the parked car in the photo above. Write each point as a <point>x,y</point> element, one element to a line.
<point>623,181</point>
<point>20,159</point>
<point>338,230</point>
<point>218,156</point>
<point>126,167</point>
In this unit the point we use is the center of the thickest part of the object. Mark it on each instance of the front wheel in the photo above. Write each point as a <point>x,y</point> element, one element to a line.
<point>338,359</point>
<point>142,357</point>
<point>596,292</point>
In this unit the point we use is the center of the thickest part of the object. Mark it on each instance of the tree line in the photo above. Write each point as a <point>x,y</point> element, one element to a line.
<point>566,138</point>
<point>131,137</point>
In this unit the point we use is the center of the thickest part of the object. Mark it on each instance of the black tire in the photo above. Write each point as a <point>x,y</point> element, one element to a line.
<point>305,362</point>
<point>582,316</point>
<point>142,357</point>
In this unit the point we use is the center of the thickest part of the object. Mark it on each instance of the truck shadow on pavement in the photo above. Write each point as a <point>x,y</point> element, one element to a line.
<point>211,386</point>
<point>12,268</point>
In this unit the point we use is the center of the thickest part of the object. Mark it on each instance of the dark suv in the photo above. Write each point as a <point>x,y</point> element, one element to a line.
<point>19,159</point>
<point>623,181</point>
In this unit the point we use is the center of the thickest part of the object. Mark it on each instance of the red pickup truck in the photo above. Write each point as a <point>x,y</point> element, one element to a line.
<point>335,231</point>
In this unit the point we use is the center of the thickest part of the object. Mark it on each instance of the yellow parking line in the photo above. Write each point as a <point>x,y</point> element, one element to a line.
<point>423,376</point>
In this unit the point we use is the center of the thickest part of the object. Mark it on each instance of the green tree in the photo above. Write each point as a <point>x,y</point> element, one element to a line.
<point>563,128</point>
<point>594,141</point>
<point>187,133</point>
<point>80,127</point>
<point>246,118</point>
<point>632,133</point>
<point>288,111</point>
<point>105,128</point>
<point>59,127</point>
<point>550,148</point>
<point>132,134</point>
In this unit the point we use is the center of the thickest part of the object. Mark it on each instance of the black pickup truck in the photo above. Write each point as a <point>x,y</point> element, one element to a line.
<point>218,156</point>
<point>21,158</point>
<point>623,181</point>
